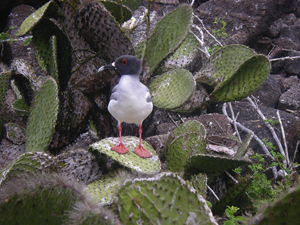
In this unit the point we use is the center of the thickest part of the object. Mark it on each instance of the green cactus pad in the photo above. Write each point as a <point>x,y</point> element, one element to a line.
<point>31,21</point>
<point>172,89</point>
<point>242,150</point>
<point>53,51</point>
<point>37,200</point>
<point>199,182</point>
<point>223,63</point>
<point>188,139</point>
<point>21,107</point>
<point>162,199</point>
<point>202,163</point>
<point>246,80</point>
<point>42,117</point>
<point>115,10</point>
<point>167,35</point>
<point>182,56</point>
<point>102,32</point>
<point>30,162</point>
<point>132,4</point>
<point>130,159</point>
<point>284,210</point>
<point>234,196</point>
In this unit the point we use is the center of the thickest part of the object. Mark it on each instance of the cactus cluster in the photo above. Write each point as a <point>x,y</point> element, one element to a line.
<point>162,199</point>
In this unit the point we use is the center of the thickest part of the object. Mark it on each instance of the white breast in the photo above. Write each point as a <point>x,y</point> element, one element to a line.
<point>130,103</point>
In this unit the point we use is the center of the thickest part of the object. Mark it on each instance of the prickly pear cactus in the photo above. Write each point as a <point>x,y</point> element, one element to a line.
<point>50,8</point>
<point>4,85</point>
<point>242,150</point>
<point>102,32</point>
<point>38,200</point>
<point>130,159</point>
<point>31,162</point>
<point>172,89</point>
<point>53,51</point>
<point>182,56</point>
<point>284,210</point>
<point>167,35</point>
<point>42,118</point>
<point>223,63</point>
<point>162,199</point>
<point>246,80</point>
<point>199,182</point>
<point>120,12</point>
<point>204,163</point>
<point>234,196</point>
<point>186,140</point>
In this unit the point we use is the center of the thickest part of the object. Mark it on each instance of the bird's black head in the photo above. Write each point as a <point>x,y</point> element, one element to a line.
<point>126,64</point>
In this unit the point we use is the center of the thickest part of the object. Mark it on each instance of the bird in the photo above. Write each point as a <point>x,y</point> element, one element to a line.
<point>130,100</point>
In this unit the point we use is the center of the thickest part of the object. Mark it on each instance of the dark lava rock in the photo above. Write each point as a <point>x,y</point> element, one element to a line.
<point>290,99</point>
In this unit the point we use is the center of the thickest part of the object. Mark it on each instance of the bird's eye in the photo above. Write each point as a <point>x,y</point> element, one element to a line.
<point>124,61</point>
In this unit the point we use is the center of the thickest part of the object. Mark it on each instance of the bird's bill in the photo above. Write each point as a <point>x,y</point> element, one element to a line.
<point>107,67</point>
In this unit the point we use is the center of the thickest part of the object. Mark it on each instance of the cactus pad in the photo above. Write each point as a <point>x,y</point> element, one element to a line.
<point>162,199</point>
<point>102,32</point>
<point>42,117</point>
<point>247,79</point>
<point>115,9</point>
<point>284,210</point>
<point>29,163</point>
<point>170,90</point>
<point>183,55</point>
<point>167,35</point>
<point>30,22</point>
<point>223,63</point>
<point>188,139</point>
<point>202,163</point>
<point>130,159</point>
<point>37,200</point>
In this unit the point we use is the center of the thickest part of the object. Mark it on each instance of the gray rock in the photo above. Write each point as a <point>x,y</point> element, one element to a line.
<point>290,99</point>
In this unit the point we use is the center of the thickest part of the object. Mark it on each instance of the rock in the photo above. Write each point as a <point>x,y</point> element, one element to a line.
<point>269,92</point>
<point>9,152</point>
<point>249,118</point>
<point>290,99</point>
<point>245,19</point>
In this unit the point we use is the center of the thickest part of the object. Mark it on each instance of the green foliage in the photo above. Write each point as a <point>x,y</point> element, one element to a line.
<point>233,220</point>
<point>219,34</point>
<point>120,12</point>
<point>5,35</point>
<point>167,35</point>
<point>272,122</point>
<point>261,187</point>
<point>42,117</point>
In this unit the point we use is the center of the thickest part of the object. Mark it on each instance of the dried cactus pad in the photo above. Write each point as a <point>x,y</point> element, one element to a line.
<point>188,139</point>
<point>223,63</point>
<point>42,117</point>
<point>170,90</point>
<point>167,35</point>
<point>102,32</point>
<point>162,199</point>
<point>29,23</point>
<point>203,163</point>
<point>246,80</point>
<point>130,159</point>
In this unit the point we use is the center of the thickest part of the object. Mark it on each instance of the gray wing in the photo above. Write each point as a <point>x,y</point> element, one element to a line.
<point>114,94</point>
<point>148,96</point>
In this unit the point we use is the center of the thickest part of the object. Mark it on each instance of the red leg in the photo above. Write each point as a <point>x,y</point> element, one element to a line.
<point>120,148</point>
<point>140,151</point>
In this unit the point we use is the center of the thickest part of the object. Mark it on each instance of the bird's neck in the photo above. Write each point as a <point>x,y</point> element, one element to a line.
<point>132,77</point>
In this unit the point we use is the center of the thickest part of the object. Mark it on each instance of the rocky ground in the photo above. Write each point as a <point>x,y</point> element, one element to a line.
<point>270,27</point>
